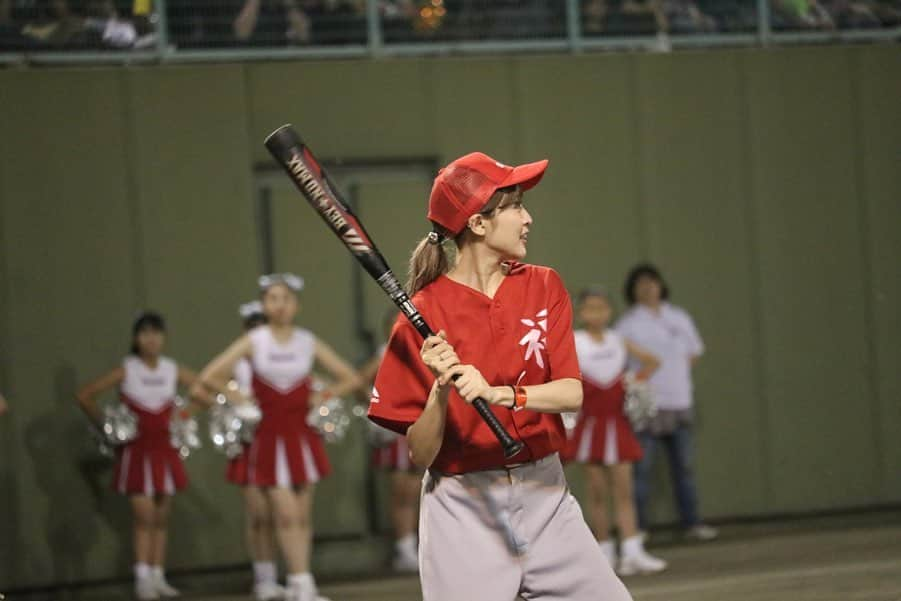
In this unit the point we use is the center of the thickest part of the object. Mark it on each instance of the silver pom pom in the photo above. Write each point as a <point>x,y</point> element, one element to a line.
<point>231,426</point>
<point>641,403</point>
<point>183,429</point>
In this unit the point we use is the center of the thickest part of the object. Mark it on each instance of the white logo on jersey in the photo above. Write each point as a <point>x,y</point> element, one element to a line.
<point>375,396</point>
<point>535,339</point>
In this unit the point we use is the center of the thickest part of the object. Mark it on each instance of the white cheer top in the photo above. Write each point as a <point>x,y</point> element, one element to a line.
<point>601,362</point>
<point>150,389</point>
<point>282,365</point>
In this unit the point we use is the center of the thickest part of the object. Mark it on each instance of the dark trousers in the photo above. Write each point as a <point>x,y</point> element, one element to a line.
<point>679,452</point>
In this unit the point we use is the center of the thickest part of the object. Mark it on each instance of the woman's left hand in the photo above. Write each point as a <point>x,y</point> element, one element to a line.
<point>471,384</point>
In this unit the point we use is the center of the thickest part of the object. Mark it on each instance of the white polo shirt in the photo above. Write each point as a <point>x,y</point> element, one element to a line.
<point>671,335</point>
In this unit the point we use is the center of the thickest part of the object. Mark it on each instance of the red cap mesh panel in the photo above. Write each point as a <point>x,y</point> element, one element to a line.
<point>465,184</point>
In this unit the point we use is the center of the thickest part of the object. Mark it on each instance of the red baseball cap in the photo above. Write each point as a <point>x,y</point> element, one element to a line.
<point>465,186</point>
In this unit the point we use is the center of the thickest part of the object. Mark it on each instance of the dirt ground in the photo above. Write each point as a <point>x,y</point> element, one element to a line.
<point>849,558</point>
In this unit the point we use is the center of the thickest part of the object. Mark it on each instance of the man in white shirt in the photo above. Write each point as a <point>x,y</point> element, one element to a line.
<point>670,334</point>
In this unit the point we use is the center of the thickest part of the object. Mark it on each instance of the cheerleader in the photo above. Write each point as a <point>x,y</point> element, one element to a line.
<point>406,478</point>
<point>287,457</point>
<point>258,519</point>
<point>148,469</point>
<point>603,439</point>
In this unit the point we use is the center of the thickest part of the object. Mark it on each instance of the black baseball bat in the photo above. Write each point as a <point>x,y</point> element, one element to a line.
<point>314,183</point>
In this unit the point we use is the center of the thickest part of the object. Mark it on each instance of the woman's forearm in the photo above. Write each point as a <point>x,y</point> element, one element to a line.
<point>426,435</point>
<point>558,396</point>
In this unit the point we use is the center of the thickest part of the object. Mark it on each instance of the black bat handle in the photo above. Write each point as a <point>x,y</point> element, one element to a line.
<point>510,445</point>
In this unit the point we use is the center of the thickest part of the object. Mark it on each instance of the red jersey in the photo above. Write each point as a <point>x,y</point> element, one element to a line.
<point>522,336</point>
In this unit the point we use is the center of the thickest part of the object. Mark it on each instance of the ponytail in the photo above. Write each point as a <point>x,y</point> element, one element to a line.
<point>428,261</point>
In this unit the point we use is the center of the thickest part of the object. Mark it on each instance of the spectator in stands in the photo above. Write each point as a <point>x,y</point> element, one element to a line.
<point>669,333</point>
<point>401,18</point>
<point>594,16</point>
<point>56,24</point>
<point>281,22</point>
<point>636,17</point>
<point>272,23</point>
<point>731,15</point>
<point>504,19</point>
<point>801,14</point>
<point>889,12</point>
<point>684,16</point>
<point>67,24</point>
<point>103,20</point>
<point>624,17</point>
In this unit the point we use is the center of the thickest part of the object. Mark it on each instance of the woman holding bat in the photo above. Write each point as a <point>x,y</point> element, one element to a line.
<point>286,457</point>
<point>490,527</point>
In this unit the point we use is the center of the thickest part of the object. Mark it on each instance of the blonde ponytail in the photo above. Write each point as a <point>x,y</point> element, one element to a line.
<point>428,261</point>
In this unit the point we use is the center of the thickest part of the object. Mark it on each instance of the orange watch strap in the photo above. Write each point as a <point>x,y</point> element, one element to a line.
<point>519,398</point>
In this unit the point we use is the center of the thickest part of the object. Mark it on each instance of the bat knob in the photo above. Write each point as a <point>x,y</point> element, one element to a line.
<point>512,448</point>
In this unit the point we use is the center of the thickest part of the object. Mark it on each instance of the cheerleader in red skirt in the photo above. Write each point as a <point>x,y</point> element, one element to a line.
<point>406,478</point>
<point>148,469</point>
<point>259,534</point>
<point>287,457</point>
<point>603,439</point>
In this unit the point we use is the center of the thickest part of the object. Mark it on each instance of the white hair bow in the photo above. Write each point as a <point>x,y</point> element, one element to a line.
<point>251,308</point>
<point>294,282</point>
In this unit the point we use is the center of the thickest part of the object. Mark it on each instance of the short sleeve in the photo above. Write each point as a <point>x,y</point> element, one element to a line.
<point>561,344</point>
<point>695,344</point>
<point>403,382</point>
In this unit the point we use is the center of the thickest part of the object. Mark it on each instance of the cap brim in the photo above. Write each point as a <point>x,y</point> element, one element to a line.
<point>526,176</point>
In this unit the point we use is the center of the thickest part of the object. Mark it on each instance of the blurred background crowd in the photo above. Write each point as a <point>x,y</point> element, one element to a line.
<point>192,24</point>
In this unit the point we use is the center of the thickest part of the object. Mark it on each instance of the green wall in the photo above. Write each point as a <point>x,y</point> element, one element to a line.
<point>766,184</point>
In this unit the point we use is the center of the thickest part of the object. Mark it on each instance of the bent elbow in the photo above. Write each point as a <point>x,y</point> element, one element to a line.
<point>420,459</point>
<point>422,456</point>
